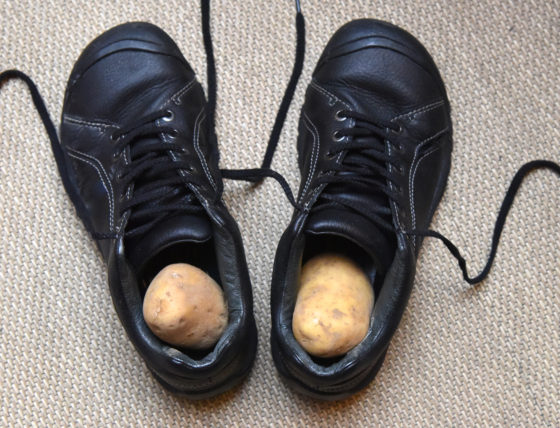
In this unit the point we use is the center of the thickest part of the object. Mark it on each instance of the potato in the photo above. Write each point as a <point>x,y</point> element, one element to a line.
<point>333,306</point>
<point>183,306</point>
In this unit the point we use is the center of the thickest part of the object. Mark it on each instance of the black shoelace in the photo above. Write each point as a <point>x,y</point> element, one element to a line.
<point>364,168</point>
<point>156,181</point>
<point>368,158</point>
<point>156,178</point>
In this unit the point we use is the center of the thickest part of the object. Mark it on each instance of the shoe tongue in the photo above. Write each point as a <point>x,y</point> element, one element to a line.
<point>379,244</point>
<point>174,230</point>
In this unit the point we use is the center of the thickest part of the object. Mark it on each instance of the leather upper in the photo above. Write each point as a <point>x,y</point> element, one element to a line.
<point>127,73</point>
<point>380,71</point>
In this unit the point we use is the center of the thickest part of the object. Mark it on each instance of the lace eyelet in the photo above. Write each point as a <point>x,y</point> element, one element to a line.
<point>398,129</point>
<point>340,116</point>
<point>173,134</point>
<point>331,155</point>
<point>168,116</point>
<point>337,137</point>
<point>115,136</point>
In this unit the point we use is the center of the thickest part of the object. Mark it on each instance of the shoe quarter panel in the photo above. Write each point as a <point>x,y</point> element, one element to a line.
<point>93,168</point>
<point>317,126</point>
<point>426,142</point>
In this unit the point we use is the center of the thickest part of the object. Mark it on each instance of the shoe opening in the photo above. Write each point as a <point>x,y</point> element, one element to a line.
<point>317,246</point>
<point>200,255</point>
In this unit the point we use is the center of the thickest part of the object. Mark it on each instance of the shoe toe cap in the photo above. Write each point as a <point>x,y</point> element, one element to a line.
<point>119,69</point>
<point>376,61</point>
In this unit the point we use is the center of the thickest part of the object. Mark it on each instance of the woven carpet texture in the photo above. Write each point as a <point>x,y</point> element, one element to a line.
<point>461,357</point>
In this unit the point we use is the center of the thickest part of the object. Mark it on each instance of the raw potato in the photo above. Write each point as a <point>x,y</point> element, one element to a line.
<point>333,306</point>
<point>183,306</point>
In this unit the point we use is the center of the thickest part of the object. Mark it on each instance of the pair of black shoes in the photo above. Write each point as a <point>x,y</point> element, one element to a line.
<point>140,163</point>
<point>138,156</point>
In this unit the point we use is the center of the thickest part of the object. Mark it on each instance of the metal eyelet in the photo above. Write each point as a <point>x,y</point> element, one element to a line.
<point>168,116</point>
<point>339,116</point>
<point>173,134</point>
<point>398,129</point>
<point>331,155</point>
<point>337,137</point>
<point>115,136</point>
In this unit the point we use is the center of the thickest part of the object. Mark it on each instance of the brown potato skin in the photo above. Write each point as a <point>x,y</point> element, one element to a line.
<point>185,307</point>
<point>333,306</point>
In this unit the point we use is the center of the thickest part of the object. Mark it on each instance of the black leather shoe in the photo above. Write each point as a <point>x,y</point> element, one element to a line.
<point>142,171</point>
<point>374,153</point>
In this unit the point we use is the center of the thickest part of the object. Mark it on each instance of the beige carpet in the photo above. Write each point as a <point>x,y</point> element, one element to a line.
<point>461,357</point>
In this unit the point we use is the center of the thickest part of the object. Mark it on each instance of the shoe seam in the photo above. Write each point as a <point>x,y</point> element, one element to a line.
<point>197,125</point>
<point>328,94</point>
<point>392,186</point>
<point>412,178</point>
<point>92,123</point>
<point>411,183</point>
<point>98,166</point>
<point>176,97</point>
<point>423,109</point>
<point>314,153</point>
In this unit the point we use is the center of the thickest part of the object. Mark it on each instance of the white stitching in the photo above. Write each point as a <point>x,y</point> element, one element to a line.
<point>99,168</point>
<point>176,97</point>
<point>191,186</point>
<point>391,186</point>
<point>423,109</point>
<point>314,152</point>
<point>328,94</point>
<point>197,123</point>
<point>129,190</point>
<point>184,174</point>
<point>92,124</point>
<point>411,178</point>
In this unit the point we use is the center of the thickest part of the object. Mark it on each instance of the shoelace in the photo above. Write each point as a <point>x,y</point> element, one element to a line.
<point>364,168</point>
<point>366,128</point>
<point>164,194</point>
<point>258,174</point>
<point>156,178</point>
